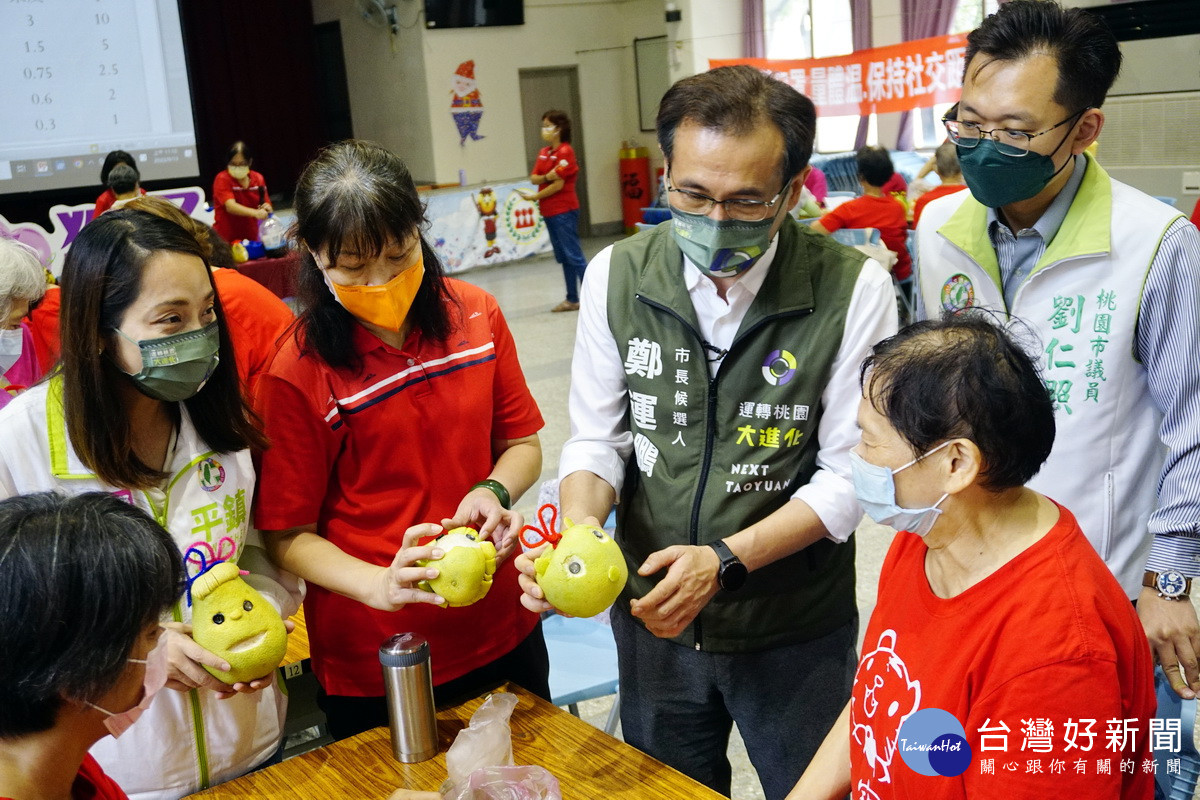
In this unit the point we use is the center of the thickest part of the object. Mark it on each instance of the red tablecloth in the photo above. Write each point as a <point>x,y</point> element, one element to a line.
<point>277,274</point>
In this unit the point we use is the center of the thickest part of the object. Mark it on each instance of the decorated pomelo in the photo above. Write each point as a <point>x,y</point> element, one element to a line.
<point>232,620</point>
<point>584,572</point>
<point>465,571</point>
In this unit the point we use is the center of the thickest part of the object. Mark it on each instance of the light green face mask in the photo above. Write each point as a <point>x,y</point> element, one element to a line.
<point>725,247</point>
<point>176,367</point>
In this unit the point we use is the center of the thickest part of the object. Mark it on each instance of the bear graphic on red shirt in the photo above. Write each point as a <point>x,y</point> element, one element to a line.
<point>884,696</point>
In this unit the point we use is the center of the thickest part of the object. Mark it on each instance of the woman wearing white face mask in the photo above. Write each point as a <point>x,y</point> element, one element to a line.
<point>22,283</point>
<point>90,658</point>
<point>239,198</point>
<point>145,405</point>
<point>993,608</point>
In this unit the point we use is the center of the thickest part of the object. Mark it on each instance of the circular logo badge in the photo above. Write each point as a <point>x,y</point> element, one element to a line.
<point>958,293</point>
<point>933,742</point>
<point>522,219</point>
<point>779,368</point>
<point>211,474</point>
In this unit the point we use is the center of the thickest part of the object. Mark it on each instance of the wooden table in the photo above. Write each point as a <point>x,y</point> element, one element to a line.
<point>297,649</point>
<point>589,764</point>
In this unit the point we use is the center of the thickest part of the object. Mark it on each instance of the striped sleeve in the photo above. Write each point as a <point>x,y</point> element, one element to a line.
<point>1168,343</point>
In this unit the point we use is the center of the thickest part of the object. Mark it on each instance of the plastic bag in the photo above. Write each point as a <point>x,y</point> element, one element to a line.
<point>480,761</point>
<point>510,783</point>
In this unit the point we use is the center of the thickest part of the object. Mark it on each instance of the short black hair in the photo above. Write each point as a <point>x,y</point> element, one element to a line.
<point>80,579</point>
<point>560,120</point>
<point>1087,53</point>
<point>112,159</point>
<point>874,165</point>
<point>123,179</point>
<point>359,195</point>
<point>965,376</point>
<point>238,148</point>
<point>735,100</point>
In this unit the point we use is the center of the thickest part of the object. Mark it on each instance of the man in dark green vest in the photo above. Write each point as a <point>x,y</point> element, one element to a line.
<point>714,391</point>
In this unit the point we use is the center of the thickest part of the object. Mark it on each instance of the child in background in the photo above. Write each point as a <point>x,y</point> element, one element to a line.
<point>875,209</point>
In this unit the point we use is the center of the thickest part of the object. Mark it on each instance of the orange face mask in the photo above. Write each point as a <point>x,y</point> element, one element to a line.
<point>386,305</point>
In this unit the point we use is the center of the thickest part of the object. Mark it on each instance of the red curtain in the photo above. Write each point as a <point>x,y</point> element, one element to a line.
<point>253,79</point>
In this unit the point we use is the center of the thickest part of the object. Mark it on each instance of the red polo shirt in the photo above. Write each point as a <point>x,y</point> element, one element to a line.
<point>257,320</point>
<point>92,784</point>
<point>368,453</point>
<point>561,159</point>
<point>887,215</point>
<point>940,190</point>
<point>231,227</point>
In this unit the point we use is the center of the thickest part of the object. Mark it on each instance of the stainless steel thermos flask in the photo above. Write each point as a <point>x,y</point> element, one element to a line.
<point>408,683</point>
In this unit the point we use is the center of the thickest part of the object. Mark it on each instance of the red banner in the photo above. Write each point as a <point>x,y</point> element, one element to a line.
<point>899,77</point>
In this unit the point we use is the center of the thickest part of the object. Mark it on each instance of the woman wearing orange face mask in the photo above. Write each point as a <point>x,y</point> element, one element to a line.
<point>396,410</point>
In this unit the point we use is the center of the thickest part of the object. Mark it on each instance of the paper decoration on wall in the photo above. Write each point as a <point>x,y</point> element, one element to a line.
<point>69,220</point>
<point>517,229</point>
<point>466,105</point>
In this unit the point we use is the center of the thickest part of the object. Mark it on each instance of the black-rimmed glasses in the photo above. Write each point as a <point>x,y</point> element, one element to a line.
<point>1008,142</point>
<point>737,208</point>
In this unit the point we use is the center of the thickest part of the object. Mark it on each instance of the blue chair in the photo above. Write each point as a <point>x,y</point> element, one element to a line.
<point>1180,786</point>
<point>1168,200</point>
<point>583,663</point>
<point>905,288</point>
<point>852,237</point>
<point>652,215</point>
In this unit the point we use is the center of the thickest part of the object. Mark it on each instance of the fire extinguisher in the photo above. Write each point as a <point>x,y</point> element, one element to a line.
<point>636,191</point>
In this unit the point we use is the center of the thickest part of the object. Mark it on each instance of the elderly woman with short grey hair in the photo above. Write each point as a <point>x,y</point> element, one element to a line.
<point>22,283</point>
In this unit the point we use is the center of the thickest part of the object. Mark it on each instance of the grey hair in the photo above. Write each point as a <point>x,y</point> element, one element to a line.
<point>22,276</point>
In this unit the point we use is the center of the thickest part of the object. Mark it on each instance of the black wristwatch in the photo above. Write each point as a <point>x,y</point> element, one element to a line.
<point>732,574</point>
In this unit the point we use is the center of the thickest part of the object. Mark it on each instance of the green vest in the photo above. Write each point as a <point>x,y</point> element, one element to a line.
<point>713,456</point>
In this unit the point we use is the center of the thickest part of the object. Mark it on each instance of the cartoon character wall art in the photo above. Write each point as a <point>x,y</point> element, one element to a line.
<point>485,203</point>
<point>465,104</point>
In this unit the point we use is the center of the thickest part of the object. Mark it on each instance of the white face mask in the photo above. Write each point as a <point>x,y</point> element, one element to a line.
<point>11,343</point>
<point>156,678</point>
<point>875,488</point>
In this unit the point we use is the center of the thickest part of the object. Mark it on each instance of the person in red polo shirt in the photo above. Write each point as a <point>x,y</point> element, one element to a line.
<point>106,199</point>
<point>399,403</point>
<point>240,200</point>
<point>874,209</point>
<point>556,171</point>
<point>945,160</point>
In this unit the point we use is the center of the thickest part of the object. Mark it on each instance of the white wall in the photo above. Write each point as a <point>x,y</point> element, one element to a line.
<point>595,35</point>
<point>385,77</point>
<point>707,29</point>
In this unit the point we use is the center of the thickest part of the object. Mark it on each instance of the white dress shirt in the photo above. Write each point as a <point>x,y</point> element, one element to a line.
<point>600,440</point>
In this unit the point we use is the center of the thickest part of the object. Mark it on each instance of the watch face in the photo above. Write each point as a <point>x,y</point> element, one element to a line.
<point>1171,583</point>
<point>733,576</point>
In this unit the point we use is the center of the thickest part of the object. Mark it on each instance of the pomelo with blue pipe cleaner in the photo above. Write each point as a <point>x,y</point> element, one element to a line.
<point>584,572</point>
<point>232,620</point>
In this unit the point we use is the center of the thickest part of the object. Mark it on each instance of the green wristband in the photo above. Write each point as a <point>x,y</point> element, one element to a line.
<point>497,488</point>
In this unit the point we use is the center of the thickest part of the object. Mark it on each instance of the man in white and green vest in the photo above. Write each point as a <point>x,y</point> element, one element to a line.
<point>1108,280</point>
<point>714,390</point>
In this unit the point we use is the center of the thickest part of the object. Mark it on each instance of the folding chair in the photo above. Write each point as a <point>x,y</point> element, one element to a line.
<point>583,663</point>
